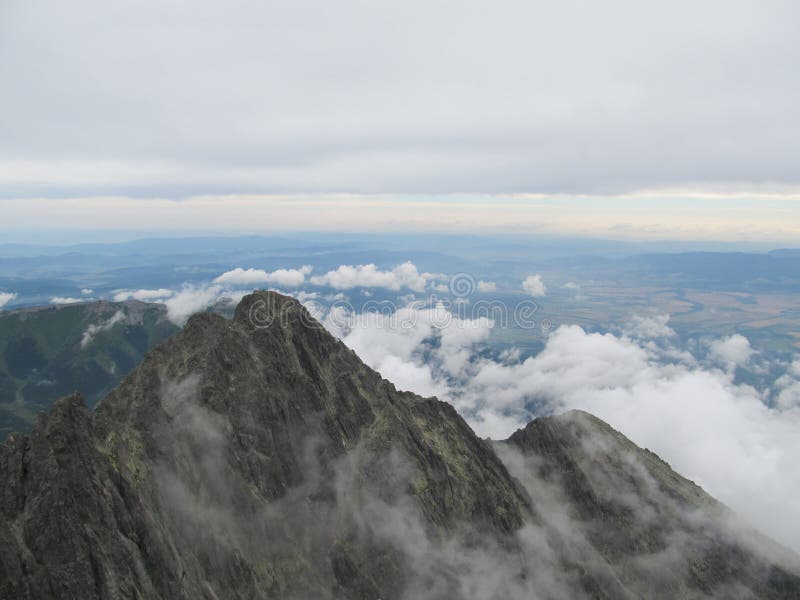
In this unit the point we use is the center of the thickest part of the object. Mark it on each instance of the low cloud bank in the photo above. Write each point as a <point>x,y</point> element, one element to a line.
<point>192,299</point>
<point>66,300</point>
<point>236,283</point>
<point>284,277</point>
<point>232,285</point>
<point>142,295</point>
<point>402,276</point>
<point>740,443</point>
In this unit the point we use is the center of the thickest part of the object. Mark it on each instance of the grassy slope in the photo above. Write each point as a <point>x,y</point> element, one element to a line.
<point>42,358</point>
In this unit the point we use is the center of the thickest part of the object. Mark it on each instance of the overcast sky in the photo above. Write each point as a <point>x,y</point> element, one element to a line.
<point>173,99</point>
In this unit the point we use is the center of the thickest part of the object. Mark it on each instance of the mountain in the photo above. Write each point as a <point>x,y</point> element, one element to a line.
<point>258,457</point>
<point>624,507</point>
<point>54,351</point>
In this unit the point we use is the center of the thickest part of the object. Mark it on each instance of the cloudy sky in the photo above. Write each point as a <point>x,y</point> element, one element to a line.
<point>688,107</point>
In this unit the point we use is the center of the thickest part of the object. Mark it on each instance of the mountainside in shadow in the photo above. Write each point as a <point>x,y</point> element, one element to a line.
<point>86,347</point>
<point>258,457</point>
<point>624,507</point>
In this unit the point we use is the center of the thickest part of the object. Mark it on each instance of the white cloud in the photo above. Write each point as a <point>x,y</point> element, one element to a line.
<point>787,387</point>
<point>732,351</point>
<point>195,298</point>
<point>649,327</point>
<point>487,286</point>
<point>282,277</point>
<point>400,345</point>
<point>192,299</point>
<point>87,291</point>
<point>349,276</point>
<point>6,297</point>
<point>571,285</point>
<point>534,286</point>
<point>326,118</point>
<point>94,329</point>
<point>710,429</point>
<point>303,296</point>
<point>142,295</point>
<point>63,300</point>
<point>234,296</point>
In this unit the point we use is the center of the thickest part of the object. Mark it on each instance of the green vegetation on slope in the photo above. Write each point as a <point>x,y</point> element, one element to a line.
<point>46,353</point>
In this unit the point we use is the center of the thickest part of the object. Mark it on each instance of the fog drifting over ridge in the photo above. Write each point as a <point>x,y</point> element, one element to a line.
<point>686,399</point>
<point>738,442</point>
<point>687,409</point>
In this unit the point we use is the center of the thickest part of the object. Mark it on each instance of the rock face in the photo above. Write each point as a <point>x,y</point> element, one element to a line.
<point>624,507</point>
<point>260,458</point>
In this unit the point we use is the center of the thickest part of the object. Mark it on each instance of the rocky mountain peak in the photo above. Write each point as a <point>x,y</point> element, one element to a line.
<point>258,457</point>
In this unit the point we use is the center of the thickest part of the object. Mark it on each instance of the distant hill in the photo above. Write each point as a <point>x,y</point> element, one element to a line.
<point>786,253</point>
<point>775,270</point>
<point>48,352</point>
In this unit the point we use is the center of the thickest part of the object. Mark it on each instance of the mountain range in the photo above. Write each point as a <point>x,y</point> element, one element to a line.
<point>259,457</point>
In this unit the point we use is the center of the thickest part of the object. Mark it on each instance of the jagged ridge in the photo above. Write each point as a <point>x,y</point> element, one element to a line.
<point>259,457</point>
